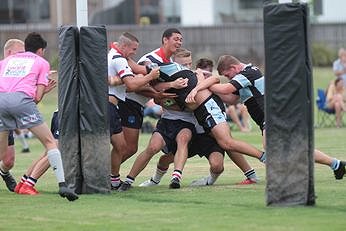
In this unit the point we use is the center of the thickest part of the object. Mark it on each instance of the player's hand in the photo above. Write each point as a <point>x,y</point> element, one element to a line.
<point>191,96</point>
<point>155,73</point>
<point>51,85</point>
<point>179,83</point>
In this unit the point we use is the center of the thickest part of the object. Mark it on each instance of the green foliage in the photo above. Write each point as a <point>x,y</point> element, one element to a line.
<point>54,62</point>
<point>322,56</point>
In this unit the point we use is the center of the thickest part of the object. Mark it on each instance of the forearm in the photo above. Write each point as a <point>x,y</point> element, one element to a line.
<point>39,93</point>
<point>147,91</point>
<point>206,83</point>
<point>136,68</point>
<point>162,86</point>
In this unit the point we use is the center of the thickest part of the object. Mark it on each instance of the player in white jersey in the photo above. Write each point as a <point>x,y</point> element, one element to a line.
<point>122,79</point>
<point>131,111</point>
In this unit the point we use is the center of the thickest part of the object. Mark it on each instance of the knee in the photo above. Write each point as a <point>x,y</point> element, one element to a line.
<point>152,150</point>
<point>216,168</point>
<point>8,163</point>
<point>184,138</point>
<point>216,163</point>
<point>132,149</point>
<point>8,159</point>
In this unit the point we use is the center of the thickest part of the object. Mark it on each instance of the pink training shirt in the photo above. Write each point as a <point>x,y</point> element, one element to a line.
<point>22,72</point>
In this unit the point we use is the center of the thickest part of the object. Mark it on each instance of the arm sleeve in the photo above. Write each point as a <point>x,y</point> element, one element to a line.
<point>44,73</point>
<point>119,66</point>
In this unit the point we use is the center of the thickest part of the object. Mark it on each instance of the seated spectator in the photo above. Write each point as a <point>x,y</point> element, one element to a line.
<point>339,65</point>
<point>335,99</point>
<point>239,115</point>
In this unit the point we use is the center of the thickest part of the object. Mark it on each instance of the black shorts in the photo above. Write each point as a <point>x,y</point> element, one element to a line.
<point>210,113</point>
<point>169,130</point>
<point>114,119</point>
<point>131,114</point>
<point>255,106</point>
<point>203,145</point>
<point>54,125</point>
<point>10,138</point>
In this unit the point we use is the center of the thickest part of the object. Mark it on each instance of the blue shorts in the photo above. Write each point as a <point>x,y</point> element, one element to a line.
<point>54,125</point>
<point>131,114</point>
<point>114,119</point>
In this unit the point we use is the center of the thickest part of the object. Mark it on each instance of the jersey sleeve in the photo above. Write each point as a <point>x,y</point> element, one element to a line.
<point>44,73</point>
<point>240,81</point>
<point>120,67</point>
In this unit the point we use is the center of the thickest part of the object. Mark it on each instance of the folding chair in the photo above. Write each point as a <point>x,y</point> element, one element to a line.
<point>325,116</point>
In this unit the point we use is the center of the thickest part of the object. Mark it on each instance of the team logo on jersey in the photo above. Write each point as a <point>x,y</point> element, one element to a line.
<point>18,67</point>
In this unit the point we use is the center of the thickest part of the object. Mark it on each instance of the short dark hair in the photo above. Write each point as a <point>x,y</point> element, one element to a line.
<point>338,79</point>
<point>34,41</point>
<point>204,63</point>
<point>169,32</point>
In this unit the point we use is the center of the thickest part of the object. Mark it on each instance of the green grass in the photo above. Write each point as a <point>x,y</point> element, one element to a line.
<point>224,206</point>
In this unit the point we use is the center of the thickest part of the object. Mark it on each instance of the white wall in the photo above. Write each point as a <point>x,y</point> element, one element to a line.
<point>333,11</point>
<point>197,12</point>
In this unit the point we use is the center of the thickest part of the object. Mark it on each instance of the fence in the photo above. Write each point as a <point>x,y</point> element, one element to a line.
<point>244,40</point>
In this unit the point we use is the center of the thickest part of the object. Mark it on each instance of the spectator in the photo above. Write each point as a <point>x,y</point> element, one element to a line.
<point>239,115</point>
<point>335,99</point>
<point>339,65</point>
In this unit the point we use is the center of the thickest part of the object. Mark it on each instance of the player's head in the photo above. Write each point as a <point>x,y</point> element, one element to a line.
<point>183,57</point>
<point>206,65</point>
<point>339,82</point>
<point>128,44</point>
<point>172,39</point>
<point>228,66</point>
<point>342,54</point>
<point>35,43</point>
<point>13,46</point>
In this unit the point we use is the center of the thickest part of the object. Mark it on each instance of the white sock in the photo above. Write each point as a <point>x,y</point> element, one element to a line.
<point>158,175</point>
<point>54,158</point>
<point>23,141</point>
<point>212,178</point>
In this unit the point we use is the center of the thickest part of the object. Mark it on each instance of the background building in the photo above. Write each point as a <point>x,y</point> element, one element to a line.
<point>210,27</point>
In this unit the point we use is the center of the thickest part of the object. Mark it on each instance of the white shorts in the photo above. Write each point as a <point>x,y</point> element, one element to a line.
<point>18,110</point>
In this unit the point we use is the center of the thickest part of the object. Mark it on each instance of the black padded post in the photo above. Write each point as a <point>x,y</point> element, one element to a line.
<point>94,128</point>
<point>68,104</point>
<point>288,105</point>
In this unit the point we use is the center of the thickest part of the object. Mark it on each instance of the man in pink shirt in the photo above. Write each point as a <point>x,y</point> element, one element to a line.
<point>11,47</point>
<point>23,82</point>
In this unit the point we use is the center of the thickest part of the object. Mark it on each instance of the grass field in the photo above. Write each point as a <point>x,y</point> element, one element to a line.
<point>224,206</point>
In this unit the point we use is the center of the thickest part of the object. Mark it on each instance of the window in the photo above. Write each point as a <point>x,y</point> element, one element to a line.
<point>250,4</point>
<point>19,11</point>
